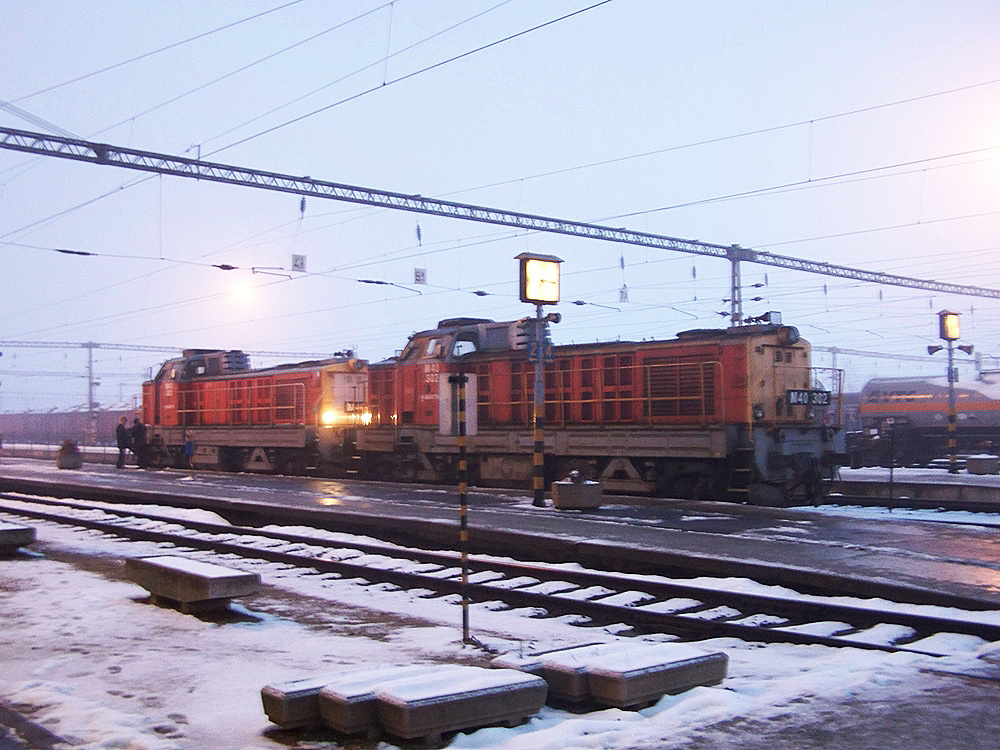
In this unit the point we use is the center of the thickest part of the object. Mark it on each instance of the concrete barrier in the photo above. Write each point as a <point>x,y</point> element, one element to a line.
<point>458,698</point>
<point>14,536</point>
<point>622,674</point>
<point>296,703</point>
<point>347,704</point>
<point>576,495</point>
<point>643,676</point>
<point>193,585</point>
<point>982,464</point>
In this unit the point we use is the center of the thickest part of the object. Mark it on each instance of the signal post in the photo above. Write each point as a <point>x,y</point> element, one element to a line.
<point>539,285</point>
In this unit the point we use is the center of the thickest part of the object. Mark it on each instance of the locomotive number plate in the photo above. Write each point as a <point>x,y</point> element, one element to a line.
<point>807,398</point>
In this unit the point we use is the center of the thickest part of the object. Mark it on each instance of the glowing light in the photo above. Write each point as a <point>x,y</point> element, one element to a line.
<point>241,291</point>
<point>329,417</point>
<point>539,278</point>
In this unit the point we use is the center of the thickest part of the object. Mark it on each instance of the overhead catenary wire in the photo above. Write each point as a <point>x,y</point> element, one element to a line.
<point>155,52</point>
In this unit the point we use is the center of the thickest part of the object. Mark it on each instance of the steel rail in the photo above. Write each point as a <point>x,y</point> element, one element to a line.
<point>634,616</point>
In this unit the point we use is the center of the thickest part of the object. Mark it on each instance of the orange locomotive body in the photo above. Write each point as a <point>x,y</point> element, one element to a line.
<point>737,412</point>
<point>209,409</point>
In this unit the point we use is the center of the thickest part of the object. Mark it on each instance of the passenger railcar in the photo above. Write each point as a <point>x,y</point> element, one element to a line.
<point>209,409</point>
<point>712,412</point>
<point>905,420</point>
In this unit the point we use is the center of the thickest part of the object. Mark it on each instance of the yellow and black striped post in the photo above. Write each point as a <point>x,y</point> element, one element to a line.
<point>538,457</point>
<point>952,464</point>
<point>463,492</point>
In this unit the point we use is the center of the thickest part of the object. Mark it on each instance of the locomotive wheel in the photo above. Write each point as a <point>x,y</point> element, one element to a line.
<point>692,487</point>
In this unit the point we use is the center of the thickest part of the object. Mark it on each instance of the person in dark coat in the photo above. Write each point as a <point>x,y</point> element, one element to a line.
<point>138,433</point>
<point>123,441</point>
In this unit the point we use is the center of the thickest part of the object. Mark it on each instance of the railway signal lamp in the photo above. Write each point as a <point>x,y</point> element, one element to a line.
<point>539,278</point>
<point>948,326</point>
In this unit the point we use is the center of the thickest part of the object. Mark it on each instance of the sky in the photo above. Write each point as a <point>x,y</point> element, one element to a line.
<point>859,134</point>
<point>107,669</point>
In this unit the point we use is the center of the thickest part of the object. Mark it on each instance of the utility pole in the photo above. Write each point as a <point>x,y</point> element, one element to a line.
<point>91,434</point>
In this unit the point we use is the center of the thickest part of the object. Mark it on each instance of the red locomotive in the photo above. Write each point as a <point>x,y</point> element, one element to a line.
<point>710,413</point>
<point>738,412</point>
<point>208,408</point>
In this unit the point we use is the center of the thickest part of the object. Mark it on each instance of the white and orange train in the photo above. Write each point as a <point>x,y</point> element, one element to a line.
<point>905,419</point>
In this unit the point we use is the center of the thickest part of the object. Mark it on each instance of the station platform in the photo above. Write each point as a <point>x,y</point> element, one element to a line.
<point>887,554</point>
<point>922,488</point>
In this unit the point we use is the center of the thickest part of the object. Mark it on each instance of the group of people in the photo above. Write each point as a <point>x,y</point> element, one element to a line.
<point>134,439</point>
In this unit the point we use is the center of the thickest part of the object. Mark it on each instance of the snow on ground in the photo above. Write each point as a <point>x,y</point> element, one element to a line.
<point>84,655</point>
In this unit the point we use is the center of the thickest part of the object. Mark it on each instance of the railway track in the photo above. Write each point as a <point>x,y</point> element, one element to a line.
<point>643,603</point>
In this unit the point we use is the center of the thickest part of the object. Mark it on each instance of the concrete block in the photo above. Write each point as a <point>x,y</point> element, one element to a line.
<point>347,703</point>
<point>532,662</point>
<point>69,460</point>
<point>569,495</point>
<point>13,536</point>
<point>983,464</point>
<point>565,671</point>
<point>625,673</point>
<point>197,586</point>
<point>640,676</point>
<point>456,699</point>
<point>296,703</point>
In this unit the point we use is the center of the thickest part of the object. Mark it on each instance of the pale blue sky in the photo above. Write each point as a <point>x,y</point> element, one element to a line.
<point>631,78</point>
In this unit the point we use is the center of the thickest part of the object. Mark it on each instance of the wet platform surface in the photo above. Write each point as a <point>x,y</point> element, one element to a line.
<point>961,559</point>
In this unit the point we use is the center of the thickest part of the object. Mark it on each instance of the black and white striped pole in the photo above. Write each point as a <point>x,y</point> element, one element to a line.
<point>539,281</point>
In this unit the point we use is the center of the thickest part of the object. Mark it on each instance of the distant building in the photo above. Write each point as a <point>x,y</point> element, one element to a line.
<point>52,427</point>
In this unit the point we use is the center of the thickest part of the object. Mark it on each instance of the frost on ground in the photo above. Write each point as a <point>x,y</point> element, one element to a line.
<point>86,656</point>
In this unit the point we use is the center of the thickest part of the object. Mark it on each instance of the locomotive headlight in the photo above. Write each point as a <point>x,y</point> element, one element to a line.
<point>329,417</point>
<point>758,412</point>
<point>366,417</point>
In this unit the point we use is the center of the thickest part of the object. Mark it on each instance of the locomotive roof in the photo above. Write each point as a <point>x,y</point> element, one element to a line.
<point>450,325</point>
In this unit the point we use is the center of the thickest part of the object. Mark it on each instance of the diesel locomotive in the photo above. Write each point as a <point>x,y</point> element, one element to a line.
<point>736,413</point>
<point>207,408</point>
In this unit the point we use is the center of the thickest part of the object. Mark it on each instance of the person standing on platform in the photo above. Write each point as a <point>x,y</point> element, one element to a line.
<point>139,443</point>
<point>122,439</point>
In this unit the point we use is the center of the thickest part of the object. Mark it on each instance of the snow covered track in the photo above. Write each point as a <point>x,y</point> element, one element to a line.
<point>643,603</point>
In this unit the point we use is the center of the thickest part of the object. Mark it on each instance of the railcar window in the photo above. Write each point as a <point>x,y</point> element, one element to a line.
<point>497,337</point>
<point>431,349</point>
<point>464,346</point>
